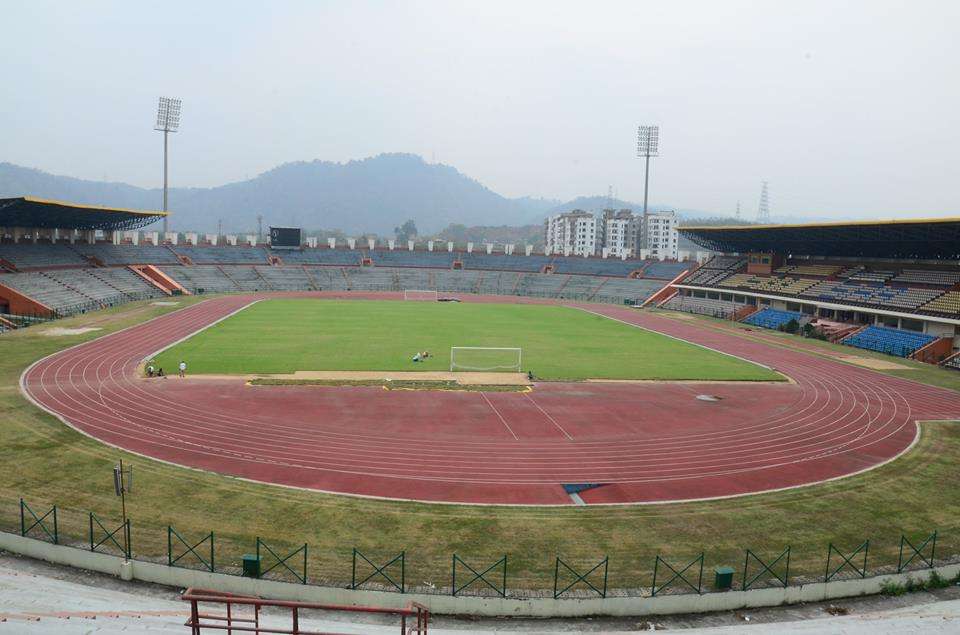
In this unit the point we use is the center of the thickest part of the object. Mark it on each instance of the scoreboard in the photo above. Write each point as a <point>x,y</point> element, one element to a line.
<point>285,237</point>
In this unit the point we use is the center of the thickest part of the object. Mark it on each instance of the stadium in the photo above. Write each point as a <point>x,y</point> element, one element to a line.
<point>486,430</point>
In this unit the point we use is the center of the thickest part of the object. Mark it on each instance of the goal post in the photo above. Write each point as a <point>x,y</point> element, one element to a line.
<point>485,359</point>
<point>420,294</point>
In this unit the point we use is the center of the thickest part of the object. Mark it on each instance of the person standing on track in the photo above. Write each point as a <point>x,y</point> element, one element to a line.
<point>183,368</point>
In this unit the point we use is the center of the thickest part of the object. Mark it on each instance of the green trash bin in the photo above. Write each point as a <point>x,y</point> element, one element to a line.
<point>723,578</point>
<point>251,565</point>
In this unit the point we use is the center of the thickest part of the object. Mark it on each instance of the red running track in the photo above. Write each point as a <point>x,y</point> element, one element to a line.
<point>648,442</point>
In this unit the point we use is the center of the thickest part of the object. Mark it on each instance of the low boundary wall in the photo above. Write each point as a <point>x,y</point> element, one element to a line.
<point>461,605</point>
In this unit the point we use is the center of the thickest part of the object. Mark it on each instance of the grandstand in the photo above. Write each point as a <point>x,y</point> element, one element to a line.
<point>899,279</point>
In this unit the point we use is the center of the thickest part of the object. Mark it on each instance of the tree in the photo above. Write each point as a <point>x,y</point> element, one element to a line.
<point>406,232</point>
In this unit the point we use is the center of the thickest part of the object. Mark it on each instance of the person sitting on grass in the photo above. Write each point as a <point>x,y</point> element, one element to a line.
<point>416,358</point>
<point>160,373</point>
<point>150,370</point>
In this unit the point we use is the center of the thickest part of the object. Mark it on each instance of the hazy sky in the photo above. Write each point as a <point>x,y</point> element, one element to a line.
<point>847,108</point>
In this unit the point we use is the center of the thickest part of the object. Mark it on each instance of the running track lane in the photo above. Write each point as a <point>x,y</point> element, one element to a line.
<point>646,442</point>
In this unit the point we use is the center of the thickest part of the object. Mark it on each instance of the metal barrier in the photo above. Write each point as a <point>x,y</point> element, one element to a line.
<point>109,536</point>
<point>480,576</point>
<point>283,561</point>
<point>917,551</point>
<point>766,568</point>
<point>230,622</point>
<point>677,575</point>
<point>557,592</point>
<point>171,532</point>
<point>380,571</point>
<point>39,521</point>
<point>847,561</point>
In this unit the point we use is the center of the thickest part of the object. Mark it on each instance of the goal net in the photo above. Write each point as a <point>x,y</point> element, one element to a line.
<point>420,294</point>
<point>484,359</point>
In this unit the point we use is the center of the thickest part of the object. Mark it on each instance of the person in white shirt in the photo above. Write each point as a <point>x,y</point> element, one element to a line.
<point>183,368</point>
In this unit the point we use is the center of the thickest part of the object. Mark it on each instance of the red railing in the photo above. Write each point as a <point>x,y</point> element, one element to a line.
<point>231,622</point>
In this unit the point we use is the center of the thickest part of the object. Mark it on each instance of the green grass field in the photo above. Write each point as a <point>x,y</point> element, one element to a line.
<point>53,464</point>
<point>283,336</point>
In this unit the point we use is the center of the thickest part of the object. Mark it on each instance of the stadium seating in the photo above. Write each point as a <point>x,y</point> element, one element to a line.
<point>407,258</point>
<point>870,295</point>
<point>110,254</point>
<point>504,262</point>
<point>773,318</point>
<point>764,284</point>
<point>201,279</point>
<point>947,303</point>
<point>888,340</point>
<point>224,255</point>
<point>931,277</point>
<point>322,256</point>
<point>596,266</point>
<point>30,256</point>
<point>286,278</point>
<point>667,270</point>
<point>70,291</point>
<point>809,270</point>
<point>953,362</point>
<point>703,306</point>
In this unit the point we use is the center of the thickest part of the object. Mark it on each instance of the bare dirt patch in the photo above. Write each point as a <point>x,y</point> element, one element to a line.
<point>59,331</point>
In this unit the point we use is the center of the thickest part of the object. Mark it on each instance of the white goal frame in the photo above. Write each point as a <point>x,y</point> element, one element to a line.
<point>453,356</point>
<point>431,294</point>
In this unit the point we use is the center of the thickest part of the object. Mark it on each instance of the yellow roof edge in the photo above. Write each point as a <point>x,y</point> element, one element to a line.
<point>101,208</point>
<point>893,221</point>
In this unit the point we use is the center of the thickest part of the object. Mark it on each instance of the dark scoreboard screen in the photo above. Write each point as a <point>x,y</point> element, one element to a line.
<point>285,237</point>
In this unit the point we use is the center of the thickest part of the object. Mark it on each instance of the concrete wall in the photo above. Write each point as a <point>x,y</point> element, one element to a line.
<point>445,604</point>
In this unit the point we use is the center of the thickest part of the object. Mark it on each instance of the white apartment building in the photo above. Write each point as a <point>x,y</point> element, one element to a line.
<point>575,233</point>
<point>659,238</point>
<point>620,231</point>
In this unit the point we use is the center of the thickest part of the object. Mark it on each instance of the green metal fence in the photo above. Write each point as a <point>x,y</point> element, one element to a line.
<point>917,552</point>
<point>758,570</point>
<point>847,561</point>
<point>189,549</point>
<point>109,537</point>
<point>580,577</point>
<point>480,576</point>
<point>47,527</point>
<point>282,562</point>
<point>766,568</point>
<point>382,571</point>
<point>678,575</point>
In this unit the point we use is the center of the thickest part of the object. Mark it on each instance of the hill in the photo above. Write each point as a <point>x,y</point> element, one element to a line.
<point>368,195</point>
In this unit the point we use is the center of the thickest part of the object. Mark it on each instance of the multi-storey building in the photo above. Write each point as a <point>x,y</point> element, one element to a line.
<point>621,229</point>
<point>659,237</point>
<point>572,233</point>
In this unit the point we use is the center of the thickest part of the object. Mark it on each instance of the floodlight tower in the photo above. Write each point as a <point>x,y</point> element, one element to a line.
<point>168,120</point>
<point>648,145</point>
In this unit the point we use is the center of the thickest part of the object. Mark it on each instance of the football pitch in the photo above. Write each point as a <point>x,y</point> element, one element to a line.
<point>286,335</point>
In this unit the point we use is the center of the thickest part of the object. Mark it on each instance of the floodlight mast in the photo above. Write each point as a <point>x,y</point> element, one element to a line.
<point>648,145</point>
<point>168,120</point>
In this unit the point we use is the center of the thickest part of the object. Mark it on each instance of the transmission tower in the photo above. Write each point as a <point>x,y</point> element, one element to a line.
<point>738,210</point>
<point>609,197</point>
<point>763,211</point>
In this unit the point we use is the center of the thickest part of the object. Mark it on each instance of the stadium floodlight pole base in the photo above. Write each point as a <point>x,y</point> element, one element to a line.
<point>420,294</point>
<point>485,359</point>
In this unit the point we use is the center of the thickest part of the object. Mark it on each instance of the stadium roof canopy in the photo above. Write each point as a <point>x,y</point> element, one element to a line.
<point>27,211</point>
<point>922,239</point>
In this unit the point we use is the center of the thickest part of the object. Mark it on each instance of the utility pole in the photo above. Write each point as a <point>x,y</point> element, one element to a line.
<point>259,228</point>
<point>122,484</point>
